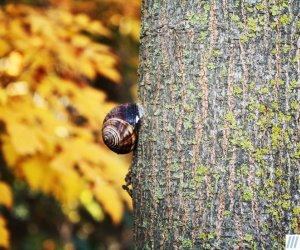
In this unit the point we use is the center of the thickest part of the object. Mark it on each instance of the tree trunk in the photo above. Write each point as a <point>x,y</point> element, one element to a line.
<point>218,160</point>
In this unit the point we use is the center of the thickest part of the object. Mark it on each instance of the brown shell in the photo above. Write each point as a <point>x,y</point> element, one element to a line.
<point>130,112</point>
<point>119,130</point>
<point>119,135</point>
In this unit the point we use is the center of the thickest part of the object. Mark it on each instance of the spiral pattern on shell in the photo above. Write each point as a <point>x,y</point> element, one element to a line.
<point>119,128</point>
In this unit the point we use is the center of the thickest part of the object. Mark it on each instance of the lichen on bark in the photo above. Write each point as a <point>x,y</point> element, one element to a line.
<point>218,160</point>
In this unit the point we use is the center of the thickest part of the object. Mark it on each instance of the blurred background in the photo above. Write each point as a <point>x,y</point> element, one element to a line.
<point>63,65</point>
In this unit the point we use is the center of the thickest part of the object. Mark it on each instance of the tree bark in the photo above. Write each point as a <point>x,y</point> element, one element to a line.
<point>218,160</point>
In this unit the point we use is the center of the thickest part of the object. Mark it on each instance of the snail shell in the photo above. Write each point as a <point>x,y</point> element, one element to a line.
<point>119,130</point>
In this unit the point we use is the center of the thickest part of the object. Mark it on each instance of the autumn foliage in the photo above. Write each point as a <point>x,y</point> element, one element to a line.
<point>50,113</point>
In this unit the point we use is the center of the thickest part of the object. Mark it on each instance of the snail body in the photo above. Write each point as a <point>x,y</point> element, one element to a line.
<point>119,130</point>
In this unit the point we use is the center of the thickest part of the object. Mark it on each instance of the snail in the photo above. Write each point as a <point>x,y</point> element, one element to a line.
<point>119,130</point>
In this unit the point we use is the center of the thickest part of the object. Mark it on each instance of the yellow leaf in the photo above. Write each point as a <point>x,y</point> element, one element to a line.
<point>110,200</point>
<point>90,102</point>
<point>17,88</point>
<point>3,97</point>
<point>60,182</point>
<point>89,171</point>
<point>80,40</point>
<point>135,31</point>
<point>86,68</point>
<point>6,195</point>
<point>71,186</point>
<point>36,41</point>
<point>9,152</point>
<point>4,238</point>
<point>110,73</point>
<point>35,170</point>
<point>14,64</point>
<point>105,60</point>
<point>40,24</point>
<point>97,27</point>
<point>115,168</point>
<point>51,114</point>
<point>16,28</point>
<point>24,139</point>
<point>87,199</point>
<point>49,184</point>
<point>82,20</point>
<point>75,151</point>
<point>66,56</point>
<point>4,47</point>
<point>95,210</point>
<point>3,28</point>
<point>64,16</point>
<point>100,49</point>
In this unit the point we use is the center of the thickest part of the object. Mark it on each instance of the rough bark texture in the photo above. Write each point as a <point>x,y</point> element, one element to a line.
<point>218,160</point>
